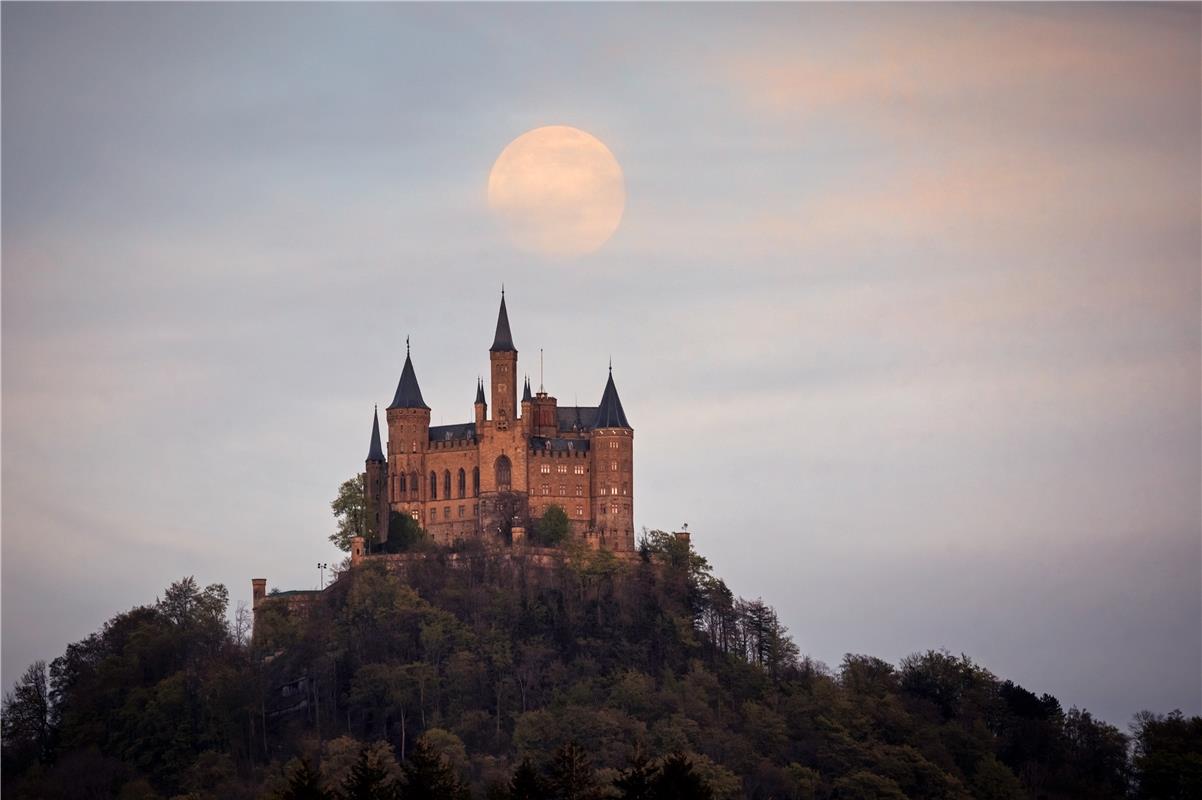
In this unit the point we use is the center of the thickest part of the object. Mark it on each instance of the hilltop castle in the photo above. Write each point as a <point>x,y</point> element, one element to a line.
<point>488,476</point>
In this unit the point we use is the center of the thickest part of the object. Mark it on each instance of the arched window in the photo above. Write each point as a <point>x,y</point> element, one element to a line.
<point>475,481</point>
<point>462,483</point>
<point>402,483</point>
<point>433,486</point>
<point>446,484</point>
<point>504,468</point>
<point>414,486</point>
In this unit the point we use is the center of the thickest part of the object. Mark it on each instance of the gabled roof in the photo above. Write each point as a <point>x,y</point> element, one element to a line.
<point>610,413</point>
<point>503,341</point>
<point>408,393</point>
<point>374,451</point>
<point>449,433</point>
<point>575,418</point>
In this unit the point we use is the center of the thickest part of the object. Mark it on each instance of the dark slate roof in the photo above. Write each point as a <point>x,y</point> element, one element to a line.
<point>575,418</point>
<point>503,341</point>
<point>448,433</point>
<point>526,391</point>
<point>408,393</point>
<point>375,452</point>
<point>610,413</point>
<point>479,392</point>
<point>557,445</point>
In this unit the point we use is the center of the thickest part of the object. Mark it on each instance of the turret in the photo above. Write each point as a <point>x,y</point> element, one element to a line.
<point>376,486</point>
<point>612,454</point>
<point>481,406</point>
<point>503,358</point>
<point>527,402</point>
<point>408,436</point>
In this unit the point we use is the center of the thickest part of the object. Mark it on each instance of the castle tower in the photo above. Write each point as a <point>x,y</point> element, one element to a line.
<point>503,358</point>
<point>527,417</point>
<point>376,486</point>
<point>612,455</point>
<point>408,440</point>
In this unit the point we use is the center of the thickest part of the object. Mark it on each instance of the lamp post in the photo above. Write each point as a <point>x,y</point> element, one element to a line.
<point>321,570</point>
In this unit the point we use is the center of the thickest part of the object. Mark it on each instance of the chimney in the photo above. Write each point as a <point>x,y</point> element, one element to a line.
<point>258,590</point>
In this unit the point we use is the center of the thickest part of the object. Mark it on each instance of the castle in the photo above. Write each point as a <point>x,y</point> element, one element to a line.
<point>485,478</point>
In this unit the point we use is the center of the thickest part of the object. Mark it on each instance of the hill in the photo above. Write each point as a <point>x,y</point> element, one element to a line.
<point>589,677</point>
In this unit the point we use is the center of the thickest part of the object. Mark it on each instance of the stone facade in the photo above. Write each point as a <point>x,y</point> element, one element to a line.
<point>487,477</point>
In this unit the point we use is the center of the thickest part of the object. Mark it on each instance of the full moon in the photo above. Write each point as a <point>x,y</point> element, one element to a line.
<point>558,191</point>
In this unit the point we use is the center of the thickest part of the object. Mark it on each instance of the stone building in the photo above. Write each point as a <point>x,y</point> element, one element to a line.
<point>512,461</point>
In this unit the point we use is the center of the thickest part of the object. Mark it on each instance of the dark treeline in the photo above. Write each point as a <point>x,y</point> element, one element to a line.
<point>496,678</point>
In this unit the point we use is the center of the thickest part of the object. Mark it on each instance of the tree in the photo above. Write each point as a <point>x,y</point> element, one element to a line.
<point>677,781</point>
<point>368,780</point>
<point>636,782</point>
<point>26,720</point>
<point>570,774</point>
<point>350,511</point>
<point>526,784</point>
<point>428,776</point>
<point>1168,756</point>
<point>304,783</point>
<point>552,527</point>
<point>403,533</point>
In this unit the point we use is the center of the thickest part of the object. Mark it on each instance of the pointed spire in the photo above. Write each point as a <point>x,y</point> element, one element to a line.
<point>503,341</point>
<point>526,391</point>
<point>375,452</point>
<point>610,413</point>
<point>480,392</point>
<point>408,393</point>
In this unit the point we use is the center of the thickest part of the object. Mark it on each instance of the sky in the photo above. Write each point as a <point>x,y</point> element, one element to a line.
<point>903,307</point>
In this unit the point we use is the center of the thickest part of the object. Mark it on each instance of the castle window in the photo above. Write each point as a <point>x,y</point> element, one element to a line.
<point>414,486</point>
<point>613,445</point>
<point>546,489</point>
<point>580,511</point>
<point>475,481</point>
<point>504,468</point>
<point>414,516</point>
<point>446,484</point>
<point>613,490</point>
<point>580,491</point>
<point>446,512</point>
<point>613,466</point>
<point>563,490</point>
<point>433,486</point>
<point>460,512</point>
<point>402,484</point>
<point>413,446</point>
<point>579,470</point>
<point>475,509</point>
<point>613,509</point>
<point>462,484</point>
<point>562,469</point>
<point>545,469</point>
<point>624,488</point>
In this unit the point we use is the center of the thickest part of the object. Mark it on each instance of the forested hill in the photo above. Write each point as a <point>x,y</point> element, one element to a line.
<point>588,680</point>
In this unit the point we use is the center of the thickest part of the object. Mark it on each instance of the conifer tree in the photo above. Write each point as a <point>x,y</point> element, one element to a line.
<point>677,781</point>
<point>571,774</point>
<point>637,782</point>
<point>526,783</point>
<point>368,780</point>
<point>428,776</point>
<point>305,783</point>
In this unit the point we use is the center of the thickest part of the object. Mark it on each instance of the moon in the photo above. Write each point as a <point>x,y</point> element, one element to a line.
<point>558,191</point>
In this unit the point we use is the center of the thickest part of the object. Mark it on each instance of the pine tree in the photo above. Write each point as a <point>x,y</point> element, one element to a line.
<point>526,783</point>
<point>427,776</point>
<point>305,783</point>
<point>678,781</point>
<point>571,774</point>
<point>368,780</point>
<point>637,782</point>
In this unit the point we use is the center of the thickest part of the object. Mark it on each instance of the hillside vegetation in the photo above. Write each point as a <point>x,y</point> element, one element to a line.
<point>590,679</point>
